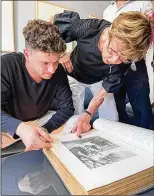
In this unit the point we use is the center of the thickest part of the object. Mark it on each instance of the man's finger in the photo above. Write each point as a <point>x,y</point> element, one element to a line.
<point>45,135</point>
<point>48,145</point>
<point>41,144</point>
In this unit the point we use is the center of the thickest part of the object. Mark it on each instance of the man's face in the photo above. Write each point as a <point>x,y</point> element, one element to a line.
<point>42,63</point>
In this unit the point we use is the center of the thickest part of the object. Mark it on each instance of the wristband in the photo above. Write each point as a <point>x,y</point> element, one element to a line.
<point>88,113</point>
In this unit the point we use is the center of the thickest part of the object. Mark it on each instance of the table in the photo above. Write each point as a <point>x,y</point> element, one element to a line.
<point>34,164</point>
<point>43,180</point>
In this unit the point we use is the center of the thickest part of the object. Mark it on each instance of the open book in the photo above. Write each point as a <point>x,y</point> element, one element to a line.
<point>112,159</point>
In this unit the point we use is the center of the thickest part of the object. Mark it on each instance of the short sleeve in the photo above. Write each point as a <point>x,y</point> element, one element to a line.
<point>8,123</point>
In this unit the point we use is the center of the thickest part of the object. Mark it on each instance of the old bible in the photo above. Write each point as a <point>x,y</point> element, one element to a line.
<point>112,159</point>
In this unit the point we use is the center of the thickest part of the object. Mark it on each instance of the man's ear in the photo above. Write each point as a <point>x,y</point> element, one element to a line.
<point>26,53</point>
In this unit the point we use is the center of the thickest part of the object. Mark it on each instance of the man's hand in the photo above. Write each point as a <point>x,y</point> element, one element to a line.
<point>66,62</point>
<point>82,124</point>
<point>34,137</point>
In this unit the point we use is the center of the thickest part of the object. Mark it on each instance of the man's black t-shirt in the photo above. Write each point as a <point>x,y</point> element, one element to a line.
<point>88,66</point>
<point>23,99</point>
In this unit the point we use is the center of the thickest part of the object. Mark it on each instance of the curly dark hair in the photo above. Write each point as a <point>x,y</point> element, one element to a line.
<point>43,36</point>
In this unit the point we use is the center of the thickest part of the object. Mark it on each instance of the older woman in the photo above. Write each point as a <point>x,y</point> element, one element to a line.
<point>103,55</point>
<point>140,100</point>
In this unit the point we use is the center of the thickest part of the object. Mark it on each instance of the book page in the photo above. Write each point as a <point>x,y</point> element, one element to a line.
<point>102,158</point>
<point>136,136</point>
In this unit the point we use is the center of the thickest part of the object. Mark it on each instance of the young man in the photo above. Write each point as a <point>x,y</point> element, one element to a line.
<point>34,83</point>
<point>137,89</point>
<point>101,47</point>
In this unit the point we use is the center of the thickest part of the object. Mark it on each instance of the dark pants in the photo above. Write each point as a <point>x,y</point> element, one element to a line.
<point>136,87</point>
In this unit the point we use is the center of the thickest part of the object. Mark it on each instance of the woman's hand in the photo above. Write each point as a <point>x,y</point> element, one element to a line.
<point>66,62</point>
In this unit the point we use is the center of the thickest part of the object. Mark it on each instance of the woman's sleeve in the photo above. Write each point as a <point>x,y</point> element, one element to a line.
<point>71,27</point>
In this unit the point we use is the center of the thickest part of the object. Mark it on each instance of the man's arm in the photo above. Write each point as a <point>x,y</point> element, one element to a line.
<point>8,123</point>
<point>29,134</point>
<point>64,103</point>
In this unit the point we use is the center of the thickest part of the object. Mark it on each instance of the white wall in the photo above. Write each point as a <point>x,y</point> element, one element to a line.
<point>25,10</point>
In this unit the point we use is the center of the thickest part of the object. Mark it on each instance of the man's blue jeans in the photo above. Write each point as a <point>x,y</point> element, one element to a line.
<point>136,87</point>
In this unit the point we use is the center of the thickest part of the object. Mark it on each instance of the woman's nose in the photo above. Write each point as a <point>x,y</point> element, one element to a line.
<point>115,60</point>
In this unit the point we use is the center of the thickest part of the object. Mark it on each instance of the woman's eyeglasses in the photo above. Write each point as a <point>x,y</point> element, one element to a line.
<point>113,52</point>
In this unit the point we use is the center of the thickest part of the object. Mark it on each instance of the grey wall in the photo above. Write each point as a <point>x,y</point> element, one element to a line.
<point>25,10</point>
<point>84,8</point>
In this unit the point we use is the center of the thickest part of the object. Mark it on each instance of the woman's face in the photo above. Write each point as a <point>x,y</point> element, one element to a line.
<point>111,50</point>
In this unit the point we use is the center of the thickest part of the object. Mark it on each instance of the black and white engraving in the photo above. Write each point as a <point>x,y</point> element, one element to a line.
<point>97,151</point>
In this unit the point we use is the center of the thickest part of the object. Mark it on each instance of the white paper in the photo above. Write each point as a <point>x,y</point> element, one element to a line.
<point>136,136</point>
<point>131,161</point>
